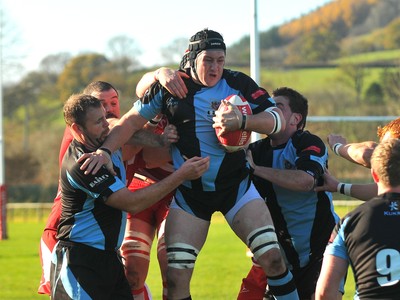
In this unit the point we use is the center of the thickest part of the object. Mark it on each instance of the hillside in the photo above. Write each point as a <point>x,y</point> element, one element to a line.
<point>339,28</point>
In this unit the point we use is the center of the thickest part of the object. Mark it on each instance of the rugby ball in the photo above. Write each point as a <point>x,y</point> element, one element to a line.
<point>235,140</point>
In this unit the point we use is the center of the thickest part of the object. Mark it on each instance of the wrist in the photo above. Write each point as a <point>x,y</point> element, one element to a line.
<point>244,122</point>
<point>154,122</point>
<point>344,188</point>
<point>336,148</point>
<point>106,150</point>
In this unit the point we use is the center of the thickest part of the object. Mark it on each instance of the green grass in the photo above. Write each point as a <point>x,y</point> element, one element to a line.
<point>220,267</point>
<point>378,56</point>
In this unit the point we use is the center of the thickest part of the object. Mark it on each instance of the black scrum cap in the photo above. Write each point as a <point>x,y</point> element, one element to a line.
<point>204,40</point>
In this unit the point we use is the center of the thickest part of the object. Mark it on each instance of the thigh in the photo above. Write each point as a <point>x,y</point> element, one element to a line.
<point>251,216</point>
<point>136,225</point>
<point>182,227</point>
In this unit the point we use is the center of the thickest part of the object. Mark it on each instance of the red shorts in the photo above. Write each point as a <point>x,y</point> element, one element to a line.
<point>156,213</point>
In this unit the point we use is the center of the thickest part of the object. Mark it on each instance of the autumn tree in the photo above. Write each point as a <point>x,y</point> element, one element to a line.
<point>317,46</point>
<point>79,72</point>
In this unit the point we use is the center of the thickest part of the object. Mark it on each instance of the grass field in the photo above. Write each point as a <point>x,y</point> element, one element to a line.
<point>219,269</point>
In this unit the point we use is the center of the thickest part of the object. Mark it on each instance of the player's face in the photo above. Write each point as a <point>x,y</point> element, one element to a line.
<point>209,66</point>
<point>109,100</point>
<point>96,128</point>
<point>283,104</point>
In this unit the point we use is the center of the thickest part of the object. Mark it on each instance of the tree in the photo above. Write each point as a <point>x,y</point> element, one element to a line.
<point>55,63</point>
<point>81,70</point>
<point>11,52</point>
<point>123,50</point>
<point>391,82</point>
<point>353,76</point>
<point>317,46</point>
<point>374,94</point>
<point>173,52</point>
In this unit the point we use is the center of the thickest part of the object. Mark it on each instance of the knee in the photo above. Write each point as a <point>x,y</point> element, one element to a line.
<point>272,261</point>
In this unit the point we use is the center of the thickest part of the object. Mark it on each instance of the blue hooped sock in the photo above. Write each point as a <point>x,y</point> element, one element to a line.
<point>283,286</point>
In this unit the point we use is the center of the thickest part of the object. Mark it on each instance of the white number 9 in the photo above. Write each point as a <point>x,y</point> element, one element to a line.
<point>388,265</point>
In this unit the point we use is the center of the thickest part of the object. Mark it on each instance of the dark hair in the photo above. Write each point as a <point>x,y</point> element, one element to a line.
<point>385,161</point>
<point>76,107</point>
<point>297,103</point>
<point>98,86</point>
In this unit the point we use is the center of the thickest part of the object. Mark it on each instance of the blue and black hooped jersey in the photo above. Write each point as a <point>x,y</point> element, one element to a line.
<point>368,238</point>
<point>303,220</point>
<point>193,118</point>
<point>85,218</point>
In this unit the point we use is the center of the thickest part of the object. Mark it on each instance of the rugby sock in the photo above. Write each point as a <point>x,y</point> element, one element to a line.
<point>283,286</point>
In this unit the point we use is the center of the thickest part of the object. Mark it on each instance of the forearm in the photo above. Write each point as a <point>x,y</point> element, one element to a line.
<point>295,180</point>
<point>266,122</point>
<point>145,82</point>
<point>359,153</point>
<point>134,202</point>
<point>364,191</point>
<point>124,130</point>
<point>146,138</point>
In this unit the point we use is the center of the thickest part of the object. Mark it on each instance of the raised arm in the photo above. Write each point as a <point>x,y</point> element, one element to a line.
<point>359,153</point>
<point>168,78</point>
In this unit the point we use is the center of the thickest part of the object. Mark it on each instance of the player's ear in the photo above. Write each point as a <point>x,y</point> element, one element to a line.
<point>296,118</point>
<point>76,128</point>
<point>374,176</point>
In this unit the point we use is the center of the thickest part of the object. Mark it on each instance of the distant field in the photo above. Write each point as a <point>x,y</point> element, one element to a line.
<point>220,266</point>
<point>378,56</point>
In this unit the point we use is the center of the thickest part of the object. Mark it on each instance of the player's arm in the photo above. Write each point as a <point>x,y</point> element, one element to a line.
<point>134,202</point>
<point>168,78</point>
<point>295,180</point>
<point>360,191</point>
<point>266,122</point>
<point>359,153</point>
<point>119,135</point>
<point>332,272</point>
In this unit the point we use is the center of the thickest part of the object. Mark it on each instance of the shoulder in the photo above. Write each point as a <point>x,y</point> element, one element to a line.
<point>260,148</point>
<point>260,145</point>
<point>232,75</point>
<point>304,139</point>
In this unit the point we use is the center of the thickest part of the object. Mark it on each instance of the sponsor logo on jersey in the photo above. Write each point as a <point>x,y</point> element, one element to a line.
<point>394,209</point>
<point>98,180</point>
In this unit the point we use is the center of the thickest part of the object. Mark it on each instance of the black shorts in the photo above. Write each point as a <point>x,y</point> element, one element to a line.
<point>306,278</point>
<point>82,272</point>
<point>204,204</point>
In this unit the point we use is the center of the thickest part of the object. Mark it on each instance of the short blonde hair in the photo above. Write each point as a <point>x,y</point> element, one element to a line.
<point>385,161</point>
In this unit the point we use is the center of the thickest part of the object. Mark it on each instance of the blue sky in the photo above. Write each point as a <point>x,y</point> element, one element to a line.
<point>51,26</point>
